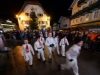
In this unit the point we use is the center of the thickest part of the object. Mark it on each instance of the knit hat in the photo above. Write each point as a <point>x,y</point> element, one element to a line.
<point>77,40</point>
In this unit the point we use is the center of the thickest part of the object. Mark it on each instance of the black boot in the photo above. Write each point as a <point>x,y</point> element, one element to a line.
<point>44,61</point>
<point>50,60</point>
<point>59,67</point>
<point>31,65</point>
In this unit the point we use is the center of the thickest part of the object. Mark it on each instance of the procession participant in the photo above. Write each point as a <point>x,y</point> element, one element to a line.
<point>42,38</point>
<point>50,44</point>
<point>71,57</point>
<point>56,39</point>
<point>39,47</point>
<point>63,42</point>
<point>27,52</point>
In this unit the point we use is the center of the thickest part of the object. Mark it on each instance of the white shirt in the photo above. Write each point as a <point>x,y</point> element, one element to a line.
<point>49,41</point>
<point>24,49</point>
<point>56,40</point>
<point>37,45</point>
<point>63,43</point>
<point>73,52</point>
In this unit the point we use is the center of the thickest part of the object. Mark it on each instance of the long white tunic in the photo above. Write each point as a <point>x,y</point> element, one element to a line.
<point>72,53</point>
<point>49,41</point>
<point>37,45</point>
<point>25,53</point>
<point>63,43</point>
<point>56,41</point>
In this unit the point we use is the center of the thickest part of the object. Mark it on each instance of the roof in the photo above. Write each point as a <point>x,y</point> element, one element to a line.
<point>62,17</point>
<point>35,2</point>
<point>73,3</point>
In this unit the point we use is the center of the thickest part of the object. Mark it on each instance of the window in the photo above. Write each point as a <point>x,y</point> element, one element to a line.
<point>78,10</point>
<point>82,7</point>
<point>76,20</point>
<point>73,21</point>
<point>42,22</point>
<point>39,22</point>
<point>27,14</point>
<point>86,17</point>
<point>95,14</point>
<point>65,25</point>
<point>26,22</point>
<point>90,2</point>
<point>46,22</point>
<point>40,15</point>
<point>80,19</point>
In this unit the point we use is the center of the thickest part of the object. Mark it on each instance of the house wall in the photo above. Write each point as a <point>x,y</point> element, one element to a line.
<point>64,21</point>
<point>78,20</point>
<point>23,19</point>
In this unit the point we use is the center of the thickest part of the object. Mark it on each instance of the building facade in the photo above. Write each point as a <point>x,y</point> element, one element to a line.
<point>23,15</point>
<point>55,26</point>
<point>7,25</point>
<point>64,22</point>
<point>85,13</point>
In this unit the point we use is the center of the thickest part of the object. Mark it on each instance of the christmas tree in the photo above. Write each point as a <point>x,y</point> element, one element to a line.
<point>33,22</point>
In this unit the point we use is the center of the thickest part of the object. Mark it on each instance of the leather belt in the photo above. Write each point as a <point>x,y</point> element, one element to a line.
<point>62,44</point>
<point>39,48</point>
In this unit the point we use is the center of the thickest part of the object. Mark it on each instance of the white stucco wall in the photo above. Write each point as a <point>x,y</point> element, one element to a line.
<point>63,21</point>
<point>37,10</point>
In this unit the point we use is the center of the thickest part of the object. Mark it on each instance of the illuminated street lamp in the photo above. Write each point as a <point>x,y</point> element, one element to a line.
<point>16,16</point>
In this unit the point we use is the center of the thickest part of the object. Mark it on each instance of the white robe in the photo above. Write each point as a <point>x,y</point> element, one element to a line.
<point>57,44</point>
<point>72,53</point>
<point>49,41</point>
<point>39,48</point>
<point>28,55</point>
<point>62,44</point>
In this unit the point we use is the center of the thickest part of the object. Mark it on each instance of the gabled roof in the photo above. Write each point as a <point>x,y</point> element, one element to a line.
<point>34,2</point>
<point>73,3</point>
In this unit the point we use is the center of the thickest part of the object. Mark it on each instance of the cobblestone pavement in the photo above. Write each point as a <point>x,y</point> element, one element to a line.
<point>88,62</point>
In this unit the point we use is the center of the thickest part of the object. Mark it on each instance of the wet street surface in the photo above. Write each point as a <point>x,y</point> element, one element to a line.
<point>88,62</point>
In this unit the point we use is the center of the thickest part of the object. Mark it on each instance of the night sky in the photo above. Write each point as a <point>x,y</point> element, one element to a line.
<point>55,8</point>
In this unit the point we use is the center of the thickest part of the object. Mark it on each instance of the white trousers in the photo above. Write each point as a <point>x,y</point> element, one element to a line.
<point>41,53</point>
<point>63,50</point>
<point>57,48</point>
<point>50,51</point>
<point>28,57</point>
<point>69,65</point>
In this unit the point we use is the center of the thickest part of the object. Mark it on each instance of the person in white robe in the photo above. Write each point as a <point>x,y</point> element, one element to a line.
<point>39,48</point>
<point>50,44</point>
<point>56,39</point>
<point>71,57</point>
<point>27,52</point>
<point>63,43</point>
